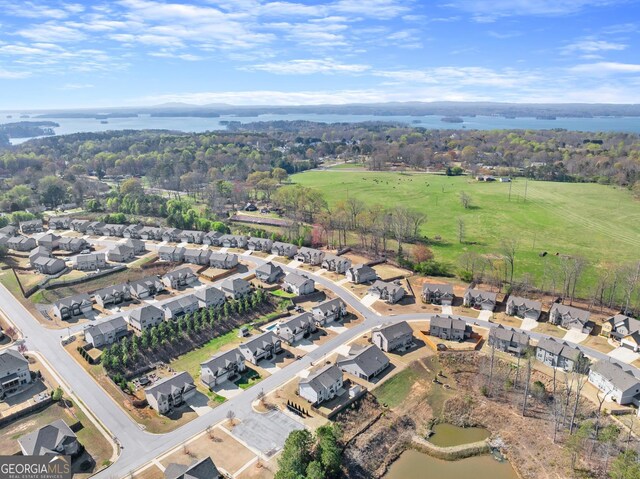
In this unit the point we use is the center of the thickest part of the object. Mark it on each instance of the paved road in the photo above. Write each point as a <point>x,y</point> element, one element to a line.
<point>139,447</point>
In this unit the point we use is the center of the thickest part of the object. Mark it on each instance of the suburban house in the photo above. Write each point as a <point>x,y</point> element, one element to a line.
<point>392,336</point>
<point>236,287</point>
<point>121,254</point>
<point>107,332</point>
<point>94,228</point>
<point>37,252</point>
<point>9,231</point>
<point>79,225</point>
<point>179,278</point>
<point>623,330</point>
<point>616,383</point>
<point>259,244</point>
<point>67,308</point>
<point>363,362</point>
<point>286,250</point>
<point>212,238</point>
<point>72,245</point>
<point>209,297</point>
<point>197,256</point>
<point>222,367</point>
<point>557,354</point>
<point>475,298</point>
<point>191,236</point>
<point>48,265</point>
<point>59,223</point>
<point>438,294</point>
<point>180,306</point>
<point>263,346</point>
<point>137,245</point>
<point>49,241</point>
<point>330,310</point>
<point>569,317</point>
<point>223,260</point>
<point>321,385</point>
<point>171,235</point>
<point>145,317</point>
<point>113,230</point>
<point>298,284</point>
<point>296,328</point>
<point>132,231</point>
<point>524,308</point>
<point>14,372</point>
<point>170,392</point>
<point>198,469</point>
<point>30,227</point>
<point>508,340</point>
<point>115,295</point>
<point>50,440</point>
<point>361,273</point>
<point>89,262</point>
<point>146,287</point>
<point>21,243</point>
<point>310,256</point>
<point>171,253</point>
<point>268,272</point>
<point>151,233</point>
<point>388,292</point>
<point>233,241</point>
<point>334,263</point>
<point>449,328</point>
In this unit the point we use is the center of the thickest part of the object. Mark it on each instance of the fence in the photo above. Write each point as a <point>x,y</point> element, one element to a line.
<point>44,284</point>
<point>38,406</point>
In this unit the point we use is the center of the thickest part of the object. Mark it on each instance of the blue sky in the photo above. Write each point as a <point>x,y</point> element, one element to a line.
<point>145,52</point>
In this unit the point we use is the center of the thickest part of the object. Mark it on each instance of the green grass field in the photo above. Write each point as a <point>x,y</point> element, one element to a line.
<point>601,223</point>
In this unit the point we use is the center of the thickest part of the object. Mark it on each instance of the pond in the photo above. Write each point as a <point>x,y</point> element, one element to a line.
<point>416,465</point>
<point>446,435</point>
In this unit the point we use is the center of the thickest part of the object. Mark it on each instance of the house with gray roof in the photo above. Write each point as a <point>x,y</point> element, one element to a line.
<point>50,440</point>
<point>236,288</point>
<point>209,297</point>
<point>569,317</point>
<point>478,299</point>
<point>106,332</point>
<point>233,241</point>
<point>508,340</point>
<point>337,264</point>
<point>192,236</point>
<point>72,245</point>
<point>225,366</point>
<point>48,264</point>
<point>121,254</point>
<point>198,469</point>
<point>59,223</point>
<point>390,293</point>
<point>151,233</point>
<point>145,317</point>
<point>171,392</point>
<point>136,245</point>
<point>262,346</point>
<point>322,385</point>
<point>79,225</point>
<point>310,256</point>
<point>223,260</point>
<point>524,308</point>
<point>49,241</point>
<point>30,227</point>
<point>94,228</point>
<point>132,231</point>
<point>174,254</point>
<point>450,328</point>
<point>286,250</point>
<point>212,238</point>
<point>146,287</point>
<point>171,235</point>
<point>197,256</point>
<point>67,308</point>
<point>268,272</point>
<point>623,330</point>
<point>438,294</point>
<point>558,354</point>
<point>618,384</point>
<point>259,244</point>
<point>393,336</point>
<point>180,306</point>
<point>21,243</point>
<point>361,273</point>
<point>298,284</point>
<point>179,278</point>
<point>113,230</point>
<point>14,372</point>
<point>90,262</point>
<point>363,362</point>
<point>9,231</point>
<point>112,295</point>
<point>329,310</point>
<point>296,328</point>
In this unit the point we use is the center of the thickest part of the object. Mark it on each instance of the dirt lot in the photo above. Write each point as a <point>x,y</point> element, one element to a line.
<point>151,472</point>
<point>387,271</point>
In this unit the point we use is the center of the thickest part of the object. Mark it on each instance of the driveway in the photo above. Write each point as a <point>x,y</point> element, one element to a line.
<point>447,309</point>
<point>199,403</point>
<point>227,389</point>
<point>266,432</point>
<point>269,366</point>
<point>485,315</point>
<point>368,300</point>
<point>528,324</point>
<point>575,336</point>
<point>624,354</point>
<point>294,264</point>
<point>306,345</point>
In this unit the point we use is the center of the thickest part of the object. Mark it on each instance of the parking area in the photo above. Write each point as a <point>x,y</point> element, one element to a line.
<point>266,432</point>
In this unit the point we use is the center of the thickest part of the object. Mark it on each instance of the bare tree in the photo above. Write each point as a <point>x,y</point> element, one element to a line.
<point>461,230</point>
<point>508,247</point>
<point>528,356</point>
<point>465,199</point>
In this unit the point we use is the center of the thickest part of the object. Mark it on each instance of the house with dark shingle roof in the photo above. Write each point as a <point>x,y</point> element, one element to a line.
<point>30,226</point>
<point>236,288</point>
<point>475,298</point>
<point>14,372</point>
<point>115,295</point>
<point>310,256</point>
<point>174,254</point>
<point>113,230</point>
<point>145,317</point>
<point>192,236</point>
<point>132,231</point>
<point>268,272</point>
<point>450,328</point>
<point>321,385</point>
<point>73,245</point>
<point>137,245</point>
<point>59,223</point>
<point>67,308</point>
<point>222,367</point>
<point>223,260</point>
<point>569,317</point>
<point>151,233</point>
<point>170,392</point>
<point>330,310</point>
<point>21,243</point>
<point>618,384</point>
<point>508,340</point>
<point>259,244</point>
<point>94,228</point>
<point>212,238</point>
<point>79,225</point>
<point>390,293</point>
<point>199,469</point>
<point>107,332</point>
<point>286,250</point>
<point>558,354</point>
<point>121,254</point>
<point>90,262</point>
<point>49,241</point>
<point>233,241</point>
<point>52,439</point>
<point>210,296</point>
<point>337,264</point>
<point>361,273</point>
<point>524,308</point>
<point>180,306</point>
<point>363,362</point>
<point>392,336</point>
<point>296,328</point>
<point>179,278</point>
<point>197,256</point>
<point>48,264</point>
<point>438,294</point>
<point>262,346</point>
<point>298,284</point>
<point>624,330</point>
<point>171,235</point>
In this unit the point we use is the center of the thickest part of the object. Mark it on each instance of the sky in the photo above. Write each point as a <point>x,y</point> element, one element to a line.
<point>56,54</point>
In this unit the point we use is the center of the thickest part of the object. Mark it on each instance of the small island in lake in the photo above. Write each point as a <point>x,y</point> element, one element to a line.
<point>452,119</point>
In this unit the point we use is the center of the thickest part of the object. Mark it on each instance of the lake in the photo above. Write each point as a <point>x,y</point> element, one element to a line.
<point>447,435</point>
<point>196,125</point>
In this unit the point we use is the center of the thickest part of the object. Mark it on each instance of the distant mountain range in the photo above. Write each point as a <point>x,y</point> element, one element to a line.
<point>449,109</point>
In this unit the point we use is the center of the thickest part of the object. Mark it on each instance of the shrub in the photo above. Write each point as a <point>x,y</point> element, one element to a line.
<point>57,394</point>
<point>465,275</point>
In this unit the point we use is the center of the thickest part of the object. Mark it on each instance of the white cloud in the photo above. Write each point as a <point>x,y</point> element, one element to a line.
<point>606,68</point>
<point>308,67</point>
<point>593,46</point>
<point>51,32</point>
<point>76,86</point>
<point>13,75</point>
<point>27,9</point>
